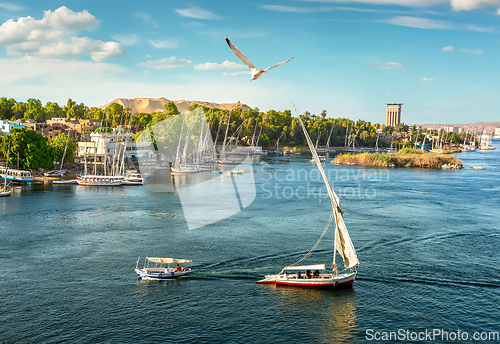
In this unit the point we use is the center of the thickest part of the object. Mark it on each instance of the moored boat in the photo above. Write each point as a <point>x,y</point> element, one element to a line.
<point>164,268</point>
<point>93,180</point>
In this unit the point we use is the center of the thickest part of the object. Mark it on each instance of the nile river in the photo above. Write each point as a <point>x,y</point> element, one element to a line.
<point>428,243</point>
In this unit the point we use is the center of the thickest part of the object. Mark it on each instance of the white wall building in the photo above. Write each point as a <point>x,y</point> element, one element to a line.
<point>7,126</point>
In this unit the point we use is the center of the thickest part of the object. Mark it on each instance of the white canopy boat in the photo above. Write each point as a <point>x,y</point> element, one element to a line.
<point>164,268</point>
<point>316,275</point>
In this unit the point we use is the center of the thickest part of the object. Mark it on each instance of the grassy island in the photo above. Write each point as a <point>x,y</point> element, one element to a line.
<point>404,158</point>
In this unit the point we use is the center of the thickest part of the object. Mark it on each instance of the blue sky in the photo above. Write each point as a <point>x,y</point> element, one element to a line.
<point>438,57</point>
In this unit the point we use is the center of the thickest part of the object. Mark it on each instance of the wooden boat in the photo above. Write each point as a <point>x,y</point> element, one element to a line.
<point>164,268</point>
<point>55,173</point>
<point>65,182</point>
<point>320,277</point>
<point>5,193</point>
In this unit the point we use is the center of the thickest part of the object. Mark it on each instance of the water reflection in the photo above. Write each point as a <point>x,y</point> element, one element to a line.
<point>333,310</point>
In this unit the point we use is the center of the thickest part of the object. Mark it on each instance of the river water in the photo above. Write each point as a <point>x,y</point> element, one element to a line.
<point>428,243</point>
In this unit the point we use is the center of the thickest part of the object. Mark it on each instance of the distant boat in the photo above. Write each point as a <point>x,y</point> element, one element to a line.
<point>94,180</point>
<point>316,275</point>
<point>486,143</point>
<point>162,268</point>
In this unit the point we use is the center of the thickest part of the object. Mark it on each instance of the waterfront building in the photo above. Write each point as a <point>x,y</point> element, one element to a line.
<point>106,144</point>
<point>7,126</point>
<point>393,114</point>
<point>82,127</point>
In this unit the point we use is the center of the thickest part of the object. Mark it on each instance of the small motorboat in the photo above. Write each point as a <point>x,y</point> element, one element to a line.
<point>162,268</point>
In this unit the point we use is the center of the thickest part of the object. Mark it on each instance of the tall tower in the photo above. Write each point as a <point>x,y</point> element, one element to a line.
<point>393,114</point>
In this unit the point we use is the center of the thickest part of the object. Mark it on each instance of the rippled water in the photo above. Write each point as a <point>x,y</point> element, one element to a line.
<point>428,242</point>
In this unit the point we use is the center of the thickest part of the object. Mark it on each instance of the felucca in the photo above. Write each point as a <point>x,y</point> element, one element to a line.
<point>316,275</point>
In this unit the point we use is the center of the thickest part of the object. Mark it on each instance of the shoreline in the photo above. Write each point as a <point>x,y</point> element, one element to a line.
<point>406,158</point>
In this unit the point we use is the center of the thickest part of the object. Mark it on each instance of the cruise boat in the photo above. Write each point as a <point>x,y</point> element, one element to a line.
<point>162,268</point>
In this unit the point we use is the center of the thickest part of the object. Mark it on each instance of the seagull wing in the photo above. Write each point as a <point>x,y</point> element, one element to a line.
<point>240,55</point>
<point>279,64</point>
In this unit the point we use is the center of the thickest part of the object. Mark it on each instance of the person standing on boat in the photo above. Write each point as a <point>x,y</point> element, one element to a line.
<point>178,268</point>
<point>299,276</point>
<point>308,273</point>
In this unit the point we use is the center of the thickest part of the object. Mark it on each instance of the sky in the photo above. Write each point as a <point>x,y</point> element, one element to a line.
<point>440,58</point>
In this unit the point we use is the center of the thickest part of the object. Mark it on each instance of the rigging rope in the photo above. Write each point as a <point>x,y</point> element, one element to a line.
<point>308,254</point>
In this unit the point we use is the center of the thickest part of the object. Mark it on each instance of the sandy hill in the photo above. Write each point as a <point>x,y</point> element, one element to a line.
<point>157,104</point>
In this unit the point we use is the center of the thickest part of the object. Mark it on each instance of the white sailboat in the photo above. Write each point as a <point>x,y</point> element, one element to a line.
<point>320,277</point>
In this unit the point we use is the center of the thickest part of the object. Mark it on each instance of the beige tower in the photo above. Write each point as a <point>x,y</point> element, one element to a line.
<point>393,114</point>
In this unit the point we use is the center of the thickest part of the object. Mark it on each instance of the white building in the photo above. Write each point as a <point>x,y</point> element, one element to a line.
<point>7,126</point>
<point>133,150</point>
<point>451,130</point>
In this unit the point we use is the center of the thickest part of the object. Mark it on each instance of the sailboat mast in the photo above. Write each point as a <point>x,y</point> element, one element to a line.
<point>223,153</point>
<point>64,154</point>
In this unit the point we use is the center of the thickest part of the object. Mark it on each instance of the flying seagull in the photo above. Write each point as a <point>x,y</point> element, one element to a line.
<point>256,73</point>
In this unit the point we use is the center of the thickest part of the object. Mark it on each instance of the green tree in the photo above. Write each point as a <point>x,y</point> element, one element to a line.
<point>6,105</point>
<point>323,114</point>
<point>388,130</point>
<point>18,110</point>
<point>58,144</point>
<point>94,113</point>
<point>53,110</point>
<point>34,110</point>
<point>32,148</point>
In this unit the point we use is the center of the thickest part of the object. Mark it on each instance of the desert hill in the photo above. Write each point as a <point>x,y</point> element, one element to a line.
<point>149,105</point>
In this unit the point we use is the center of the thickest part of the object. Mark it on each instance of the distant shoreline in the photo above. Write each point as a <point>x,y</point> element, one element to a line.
<point>408,158</point>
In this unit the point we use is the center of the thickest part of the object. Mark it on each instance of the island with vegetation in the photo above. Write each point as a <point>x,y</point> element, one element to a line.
<point>406,157</point>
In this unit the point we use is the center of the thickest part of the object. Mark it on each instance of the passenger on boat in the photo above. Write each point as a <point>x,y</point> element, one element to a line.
<point>316,274</point>
<point>308,273</point>
<point>299,276</point>
<point>178,268</point>
<point>167,270</point>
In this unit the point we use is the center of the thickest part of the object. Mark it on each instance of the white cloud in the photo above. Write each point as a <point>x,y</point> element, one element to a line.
<point>429,79</point>
<point>224,65</point>
<point>279,8</point>
<point>65,19</point>
<point>498,12</point>
<point>420,23</point>
<point>407,3</point>
<point>164,44</point>
<point>388,94</point>
<point>478,51</point>
<point>53,36</point>
<point>99,50</point>
<point>9,6</point>
<point>388,65</point>
<point>165,63</point>
<point>448,48</point>
<point>196,12</point>
<point>430,24</point>
<point>467,5</point>
<point>147,18</point>
<point>126,39</point>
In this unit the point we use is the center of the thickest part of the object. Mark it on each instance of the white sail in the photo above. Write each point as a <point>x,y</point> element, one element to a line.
<point>343,243</point>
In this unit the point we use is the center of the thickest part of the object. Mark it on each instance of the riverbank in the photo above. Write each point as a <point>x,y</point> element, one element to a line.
<point>407,157</point>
